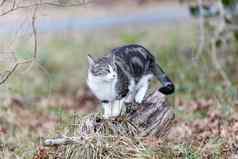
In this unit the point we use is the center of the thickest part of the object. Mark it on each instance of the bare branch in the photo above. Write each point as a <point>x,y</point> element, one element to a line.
<point>62,140</point>
<point>15,6</point>
<point>8,73</point>
<point>217,35</point>
<point>217,64</point>
<point>54,3</point>
<point>220,28</point>
<point>201,31</point>
<point>2,2</point>
<point>33,23</point>
<point>57,4</point>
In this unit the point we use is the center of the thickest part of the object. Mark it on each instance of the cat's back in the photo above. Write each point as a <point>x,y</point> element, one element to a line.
<point>135,57</point>
<point>131,51</point>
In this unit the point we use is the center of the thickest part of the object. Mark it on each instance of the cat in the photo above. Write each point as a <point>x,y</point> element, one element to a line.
<point>123,76</point>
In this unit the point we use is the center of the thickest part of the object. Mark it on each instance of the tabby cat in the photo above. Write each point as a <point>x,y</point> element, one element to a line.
<point>123,76</point>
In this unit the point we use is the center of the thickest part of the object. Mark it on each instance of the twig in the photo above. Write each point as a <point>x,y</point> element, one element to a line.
<point>15,8</point>
<point>217,33</point>
<point>62,140</point>
<point>8,73</point>
<point>33,23</point>
<point>201,31</point>
<point>80,3</point>
<point>217,64</point>
<point>2,3</point>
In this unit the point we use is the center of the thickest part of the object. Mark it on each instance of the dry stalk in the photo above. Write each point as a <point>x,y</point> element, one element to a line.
<point>217,35</point>
<point>201,31</point>
<point>123,138</point>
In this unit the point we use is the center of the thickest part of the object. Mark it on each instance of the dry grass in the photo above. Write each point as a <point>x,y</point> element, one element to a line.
<point>111,140</point>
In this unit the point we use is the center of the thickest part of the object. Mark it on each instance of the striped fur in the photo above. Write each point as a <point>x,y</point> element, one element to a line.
<point>124,75</point>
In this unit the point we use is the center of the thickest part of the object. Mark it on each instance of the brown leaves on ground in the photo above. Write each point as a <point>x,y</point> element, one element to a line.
<point>3,131</point>
<point>153,142</point>
<point>83,101</point>
<point>206,127</point>
<point>24,113</point>
<point>42,153</point>
<point>201,124</point>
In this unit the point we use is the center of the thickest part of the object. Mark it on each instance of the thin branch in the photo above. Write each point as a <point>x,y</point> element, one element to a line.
<point>33,23</point>
<point>9,72</point>
<point>201,31</point>
<point>57,4</point>
<point>34,32</point>
<point>217,64</point>
<point>62,140</point>
<point>221,27</point>
<point>15,8</point>
<point>2,2</point>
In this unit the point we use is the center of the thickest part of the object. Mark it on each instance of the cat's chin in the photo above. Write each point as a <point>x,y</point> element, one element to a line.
<point>103,79</point>
<point>108,79</point>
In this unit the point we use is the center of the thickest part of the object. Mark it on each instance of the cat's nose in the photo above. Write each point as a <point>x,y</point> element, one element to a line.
<point>114,76</point>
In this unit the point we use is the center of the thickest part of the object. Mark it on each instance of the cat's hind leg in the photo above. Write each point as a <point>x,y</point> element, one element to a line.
<point>132,91</point>
<point>142,87</point>
<point>141,93</point>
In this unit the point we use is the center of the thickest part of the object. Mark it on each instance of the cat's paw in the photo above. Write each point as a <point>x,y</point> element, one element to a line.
<point>111,116</point>
<point>129,99</point>
<point>139,99</point>
<point>106,116</point>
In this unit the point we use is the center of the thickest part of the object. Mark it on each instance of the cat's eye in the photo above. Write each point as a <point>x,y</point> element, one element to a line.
<point>107,70</point>
<point>111,69</point>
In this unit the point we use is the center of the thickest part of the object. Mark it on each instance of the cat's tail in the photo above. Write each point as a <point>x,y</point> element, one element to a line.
<point>167,85</point>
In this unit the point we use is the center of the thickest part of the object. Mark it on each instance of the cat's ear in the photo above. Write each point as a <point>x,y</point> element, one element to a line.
<point>90,60</point>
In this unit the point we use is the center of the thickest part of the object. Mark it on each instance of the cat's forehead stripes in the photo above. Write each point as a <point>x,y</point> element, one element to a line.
<point>101,66</point>
<point>103,60</point>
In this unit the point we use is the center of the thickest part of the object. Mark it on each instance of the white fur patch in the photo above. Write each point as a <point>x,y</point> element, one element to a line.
<point>103,89</point>
<point>142,88</point>
<point>131,94</point>
<point>107,110</point>
<point>113,109</point>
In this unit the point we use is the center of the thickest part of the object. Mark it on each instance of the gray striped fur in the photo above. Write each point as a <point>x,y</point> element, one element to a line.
<point>126,71</point>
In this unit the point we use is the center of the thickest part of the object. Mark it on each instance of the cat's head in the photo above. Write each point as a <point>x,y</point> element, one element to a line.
<point>102,68</point>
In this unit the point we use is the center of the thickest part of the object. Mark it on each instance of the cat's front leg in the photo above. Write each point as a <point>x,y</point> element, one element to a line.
<point>131,94</point>
<point>107,110</point>
<point>130,98</point>
<point>118,108</point>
